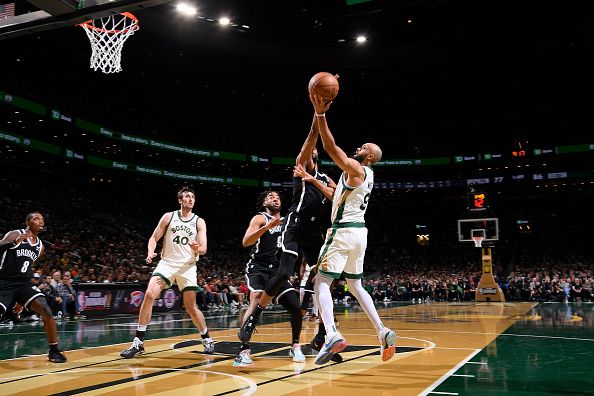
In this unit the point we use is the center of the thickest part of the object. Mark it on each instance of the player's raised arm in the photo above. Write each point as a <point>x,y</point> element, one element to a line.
<point>157,234</point>
<point>305,155</point>
<point>349,165</point>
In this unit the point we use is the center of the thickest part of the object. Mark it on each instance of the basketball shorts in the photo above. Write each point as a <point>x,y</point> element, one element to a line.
<point>302,234</point>
<point>21,292</point>
<point>257,277</point>
<point>343,251</point>
<point>184,274</point>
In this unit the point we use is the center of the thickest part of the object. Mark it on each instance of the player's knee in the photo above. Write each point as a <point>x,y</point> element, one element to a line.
<point>290,301</point>
<point>151,294</point>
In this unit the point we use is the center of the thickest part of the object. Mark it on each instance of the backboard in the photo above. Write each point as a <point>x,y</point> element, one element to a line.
<point>38,15</point>
<point>487,227</point>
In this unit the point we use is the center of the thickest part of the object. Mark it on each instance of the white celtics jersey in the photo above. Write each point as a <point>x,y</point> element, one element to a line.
<point>176,241</point>
<point>350,203</point>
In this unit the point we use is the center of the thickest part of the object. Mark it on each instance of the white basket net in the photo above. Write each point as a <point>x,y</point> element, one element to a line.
<point>107,36</point>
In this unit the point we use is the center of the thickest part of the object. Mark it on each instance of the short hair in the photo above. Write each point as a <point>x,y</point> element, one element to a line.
<point>31,215</point>
<point>377,152</point>
<point>262,197</point>
<point>183,190</point>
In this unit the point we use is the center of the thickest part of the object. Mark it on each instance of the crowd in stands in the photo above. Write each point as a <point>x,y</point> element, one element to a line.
<point>95,240</point>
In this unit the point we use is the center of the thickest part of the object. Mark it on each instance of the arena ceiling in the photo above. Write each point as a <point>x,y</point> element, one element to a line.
<point>434,77</point>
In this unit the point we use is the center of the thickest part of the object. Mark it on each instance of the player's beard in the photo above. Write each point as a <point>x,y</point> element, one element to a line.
<point>359,157</point>
<point>273,209</point>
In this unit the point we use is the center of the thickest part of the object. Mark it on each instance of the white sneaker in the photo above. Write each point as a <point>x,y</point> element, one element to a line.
<point>296,354</point>
<point>387,340</point>
<point>208,344</point>
<point>244,359</point>
<point>332,346</point>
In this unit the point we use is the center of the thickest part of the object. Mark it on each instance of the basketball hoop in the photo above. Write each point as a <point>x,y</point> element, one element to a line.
<point>107,36</point>
<point>478,240</point>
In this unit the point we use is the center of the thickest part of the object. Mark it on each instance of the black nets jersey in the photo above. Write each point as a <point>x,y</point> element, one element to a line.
<point>264,250</point>
<point>16,262</point>
<point>307,199</point>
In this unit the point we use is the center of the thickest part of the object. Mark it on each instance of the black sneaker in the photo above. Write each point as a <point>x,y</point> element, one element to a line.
<point>317,343</point>
<point>56,356</point>
<point>246,331</point>
<point>137,348</point>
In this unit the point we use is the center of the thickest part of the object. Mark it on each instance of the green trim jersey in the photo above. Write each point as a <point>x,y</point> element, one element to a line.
<point>350,203</point>
<point>177,238</point>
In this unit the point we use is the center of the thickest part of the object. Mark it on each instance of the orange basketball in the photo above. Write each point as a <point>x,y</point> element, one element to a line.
<point>324,84</point>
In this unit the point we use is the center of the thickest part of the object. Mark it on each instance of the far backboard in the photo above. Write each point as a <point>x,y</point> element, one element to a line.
<point>487,227</point>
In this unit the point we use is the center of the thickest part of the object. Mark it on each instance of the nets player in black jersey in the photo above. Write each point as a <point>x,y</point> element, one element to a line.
<point>303,227</point>
<point>19,249</point>
<point>264,234</point>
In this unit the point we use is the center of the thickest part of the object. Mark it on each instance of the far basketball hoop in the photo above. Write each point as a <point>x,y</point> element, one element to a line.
<point>478,241</point>
<point>107,36</point>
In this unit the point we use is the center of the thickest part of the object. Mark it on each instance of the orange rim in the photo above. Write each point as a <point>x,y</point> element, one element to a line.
<point>88,24</point>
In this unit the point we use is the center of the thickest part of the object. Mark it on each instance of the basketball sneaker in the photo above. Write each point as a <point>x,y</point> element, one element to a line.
<point>332,346</point>
<point>244,359</point>
<point>209,345</point>
<point>137,348</point>
<point>296,354</point>
<point>56,356</point>
<point>247,329</point>
<point>318,342</point>
<point>387,340</point>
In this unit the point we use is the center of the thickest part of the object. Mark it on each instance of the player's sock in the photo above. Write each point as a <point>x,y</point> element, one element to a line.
<point>140,332</point>
<point>258,311</point>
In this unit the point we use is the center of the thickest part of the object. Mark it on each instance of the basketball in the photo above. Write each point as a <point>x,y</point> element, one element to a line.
<point>324,84</point>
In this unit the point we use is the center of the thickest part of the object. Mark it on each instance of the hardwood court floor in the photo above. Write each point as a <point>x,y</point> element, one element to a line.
<point>450,349</point>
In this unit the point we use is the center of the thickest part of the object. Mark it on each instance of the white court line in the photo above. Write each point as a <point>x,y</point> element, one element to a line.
<point>443,393</point>
<point>461,349</point>
<point>463,375</point>
<point>448,374</point>
<point>477,363</point>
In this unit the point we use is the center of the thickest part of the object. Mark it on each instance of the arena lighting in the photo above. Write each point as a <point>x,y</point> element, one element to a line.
<point>361,39</point>
<point>186,9</point>
<point>224,21</point>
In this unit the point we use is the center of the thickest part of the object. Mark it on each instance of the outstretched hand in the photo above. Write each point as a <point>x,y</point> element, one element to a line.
<point>320,104</point>
<point>299,171</point>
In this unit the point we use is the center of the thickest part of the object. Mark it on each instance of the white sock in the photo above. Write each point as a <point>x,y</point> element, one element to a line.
<point>366,303</point>
<point>204,332</point>
<point>141,327</point>
<point>326,305</point>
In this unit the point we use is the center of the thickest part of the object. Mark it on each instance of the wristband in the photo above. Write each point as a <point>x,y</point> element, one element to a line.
<point>320,115</point>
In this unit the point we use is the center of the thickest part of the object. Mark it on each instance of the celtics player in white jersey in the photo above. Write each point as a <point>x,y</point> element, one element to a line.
<point>346,239</point>
<point>184,240</point>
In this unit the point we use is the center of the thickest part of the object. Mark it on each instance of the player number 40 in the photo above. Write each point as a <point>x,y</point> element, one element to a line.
<point>181,240</point>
